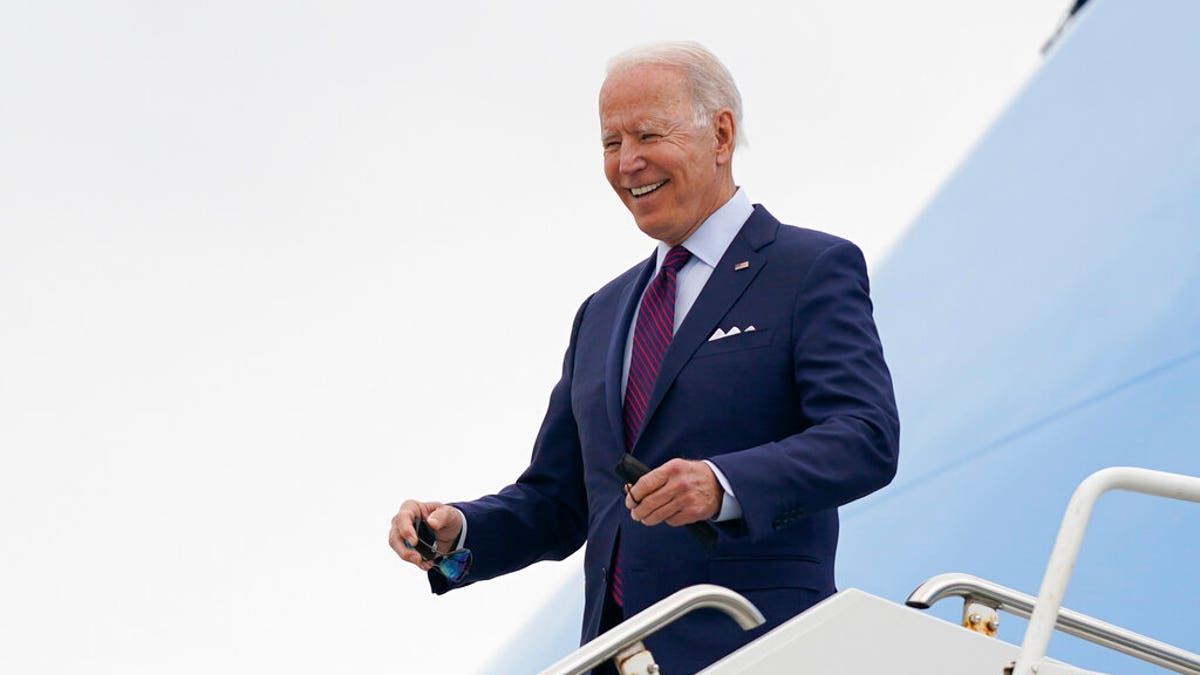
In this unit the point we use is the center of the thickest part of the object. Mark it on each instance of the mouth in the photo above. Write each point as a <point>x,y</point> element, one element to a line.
<point>646,189</point>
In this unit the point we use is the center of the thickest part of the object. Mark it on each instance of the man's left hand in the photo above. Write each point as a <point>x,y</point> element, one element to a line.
<point>677,493</point>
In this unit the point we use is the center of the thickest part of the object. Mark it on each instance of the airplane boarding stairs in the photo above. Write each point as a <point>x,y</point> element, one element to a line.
<point>856,633</point>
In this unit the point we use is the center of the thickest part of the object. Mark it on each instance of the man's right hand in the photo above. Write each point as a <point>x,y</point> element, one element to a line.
<point>446,521</point>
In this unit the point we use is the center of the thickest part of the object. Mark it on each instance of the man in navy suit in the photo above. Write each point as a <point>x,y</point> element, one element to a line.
<point>770,407</point>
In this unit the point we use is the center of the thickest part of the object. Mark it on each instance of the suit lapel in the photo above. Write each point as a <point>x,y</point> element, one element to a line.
<point>630,296</point>
<point>723,289</point>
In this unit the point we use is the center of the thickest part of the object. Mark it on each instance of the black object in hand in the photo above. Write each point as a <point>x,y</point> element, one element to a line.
<point>452,565</point>
<point>426,541</point>
<point>630,469</point>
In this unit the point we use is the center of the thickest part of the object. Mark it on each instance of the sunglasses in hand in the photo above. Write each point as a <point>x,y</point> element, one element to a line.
<point>452,565</point>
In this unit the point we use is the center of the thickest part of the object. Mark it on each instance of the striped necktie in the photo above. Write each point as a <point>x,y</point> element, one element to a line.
<point>651,337</point>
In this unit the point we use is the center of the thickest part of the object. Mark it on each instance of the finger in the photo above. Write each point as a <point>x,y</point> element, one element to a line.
<point>650,482</point>
<point>661,514</point>
<point>400,532</point>
<point>686,516</point>
<point>399,546</point>
<point>443,517</point>
<point>405,519</point>
<point>409,555</point>
<point>648,494</point>
<point>630,502</point>
<point>651,502</point>
<point>679,519</point>
<point>447,525</point>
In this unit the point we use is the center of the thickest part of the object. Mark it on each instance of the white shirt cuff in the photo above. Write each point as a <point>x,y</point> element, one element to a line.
<point>462,536</point>
<point>730,508</point>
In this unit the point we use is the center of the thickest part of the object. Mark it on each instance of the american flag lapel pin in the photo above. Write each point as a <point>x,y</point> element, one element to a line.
<point>741,266</point>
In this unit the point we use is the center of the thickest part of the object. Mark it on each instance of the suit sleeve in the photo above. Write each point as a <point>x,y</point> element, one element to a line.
<point>850,445</point>
<point>543,515</point>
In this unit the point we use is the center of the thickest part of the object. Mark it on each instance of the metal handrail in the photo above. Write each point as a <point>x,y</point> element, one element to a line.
<point>654,618</point>
<point>974,589</point>
<point>1070,539</point>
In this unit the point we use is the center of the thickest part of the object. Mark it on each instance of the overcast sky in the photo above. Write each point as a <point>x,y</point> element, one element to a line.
<point>269,268</point>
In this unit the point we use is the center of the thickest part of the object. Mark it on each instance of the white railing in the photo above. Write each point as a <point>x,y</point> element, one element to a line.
<point>1001,598</point>
<point>647,622</point>
<point>1070,538</point>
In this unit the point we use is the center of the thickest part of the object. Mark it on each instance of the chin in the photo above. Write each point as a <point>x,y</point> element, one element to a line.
<point>656,231</point>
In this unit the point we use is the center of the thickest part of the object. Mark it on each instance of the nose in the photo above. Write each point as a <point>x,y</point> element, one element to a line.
<point>631,158</point>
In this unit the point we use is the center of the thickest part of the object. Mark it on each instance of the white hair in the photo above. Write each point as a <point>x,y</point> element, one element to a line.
<point>711,85</point>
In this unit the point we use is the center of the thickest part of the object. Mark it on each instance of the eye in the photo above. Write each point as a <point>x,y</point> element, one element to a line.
<point>611,145</point>
<point>648,136</point>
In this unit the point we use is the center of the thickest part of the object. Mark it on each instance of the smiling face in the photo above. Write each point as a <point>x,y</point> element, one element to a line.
<point>669,173</point>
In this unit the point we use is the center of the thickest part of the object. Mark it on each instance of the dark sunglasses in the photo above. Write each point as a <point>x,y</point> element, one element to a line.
<point>452,565</point>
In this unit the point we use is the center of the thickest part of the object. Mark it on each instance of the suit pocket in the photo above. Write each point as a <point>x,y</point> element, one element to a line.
<point>735,343</point>
<point>748,574</point>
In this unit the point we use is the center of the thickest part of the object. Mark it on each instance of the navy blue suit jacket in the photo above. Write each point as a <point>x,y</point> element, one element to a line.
<point>798,414</point>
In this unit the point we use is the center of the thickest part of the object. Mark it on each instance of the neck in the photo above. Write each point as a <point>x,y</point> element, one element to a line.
<point>724,192</point>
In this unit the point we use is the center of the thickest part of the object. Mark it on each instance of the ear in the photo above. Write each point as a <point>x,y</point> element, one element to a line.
<point>725,133</point>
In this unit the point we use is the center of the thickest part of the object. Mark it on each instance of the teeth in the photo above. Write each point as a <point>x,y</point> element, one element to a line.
<point>646,189</point>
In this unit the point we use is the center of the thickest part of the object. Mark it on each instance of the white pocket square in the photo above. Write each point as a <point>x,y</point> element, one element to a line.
<point>722,334</point>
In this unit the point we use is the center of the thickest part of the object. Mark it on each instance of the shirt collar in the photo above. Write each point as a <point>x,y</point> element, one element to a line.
<point>709,242</point>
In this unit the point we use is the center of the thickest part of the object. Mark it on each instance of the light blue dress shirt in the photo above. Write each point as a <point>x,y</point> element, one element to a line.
<point>707,244</point>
